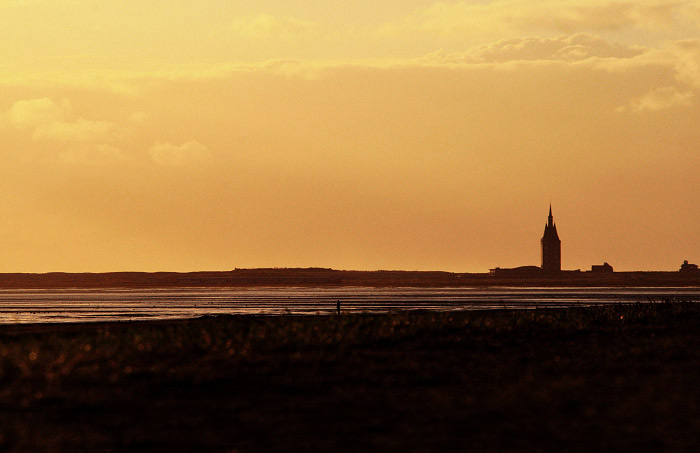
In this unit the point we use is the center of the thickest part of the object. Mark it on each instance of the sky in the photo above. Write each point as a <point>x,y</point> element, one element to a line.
<point>394,134</point>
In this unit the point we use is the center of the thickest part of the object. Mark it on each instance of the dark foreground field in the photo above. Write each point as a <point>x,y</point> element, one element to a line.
<point>616,378</point>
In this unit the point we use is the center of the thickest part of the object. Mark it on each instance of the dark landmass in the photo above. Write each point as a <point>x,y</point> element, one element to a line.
<point>331,277</point>
<point>615,378</point>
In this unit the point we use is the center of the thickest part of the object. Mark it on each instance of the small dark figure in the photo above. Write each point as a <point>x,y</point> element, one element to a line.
<point>338,306</point>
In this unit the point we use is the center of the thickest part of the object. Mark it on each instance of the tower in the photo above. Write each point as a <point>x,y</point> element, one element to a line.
<point>551,246</point>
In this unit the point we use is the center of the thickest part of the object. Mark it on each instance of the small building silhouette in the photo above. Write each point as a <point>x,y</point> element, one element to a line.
<point>689,267</point>
<point>551,246</point>
<point>522,271</point>
<point>604,268</point>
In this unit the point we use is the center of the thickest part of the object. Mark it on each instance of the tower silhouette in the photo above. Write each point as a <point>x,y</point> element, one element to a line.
<point>551,246</point>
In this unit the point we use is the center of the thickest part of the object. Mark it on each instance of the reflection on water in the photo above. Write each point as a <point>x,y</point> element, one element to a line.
<point>80,305</point>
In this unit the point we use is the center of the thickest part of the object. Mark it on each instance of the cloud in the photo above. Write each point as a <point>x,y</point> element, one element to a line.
<point>687,53</point>
<point>572,48</point>
<point>568,16</point>
<point>30,113</point>
<point>179,155</point>
<point>51,120</point>
<point>81,130</point>
<point>265,26</point>
<point>660,99</point>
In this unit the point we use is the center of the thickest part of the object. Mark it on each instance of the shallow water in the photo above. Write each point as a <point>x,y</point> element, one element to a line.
<point>85,305</point>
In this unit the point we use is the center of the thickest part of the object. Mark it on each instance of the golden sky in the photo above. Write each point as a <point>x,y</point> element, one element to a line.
<point>396,134</point>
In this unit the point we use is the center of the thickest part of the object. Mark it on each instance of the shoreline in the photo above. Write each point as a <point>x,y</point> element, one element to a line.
<point>320,277</point>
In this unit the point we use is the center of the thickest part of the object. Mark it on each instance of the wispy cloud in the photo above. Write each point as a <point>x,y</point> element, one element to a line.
<point>567,16</point>
<point>577,47</point>
<point>30,113</point>
<point>49,120</point>
<point>81,130</point>
<point>687,61</point>
<point>660,99</point>
<point>188,153</point>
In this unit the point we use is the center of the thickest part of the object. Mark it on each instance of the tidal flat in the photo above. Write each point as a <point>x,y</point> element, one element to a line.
<point>616,377</point>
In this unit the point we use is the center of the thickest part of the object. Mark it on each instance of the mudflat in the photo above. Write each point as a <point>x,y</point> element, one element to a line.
<point>616,378</point>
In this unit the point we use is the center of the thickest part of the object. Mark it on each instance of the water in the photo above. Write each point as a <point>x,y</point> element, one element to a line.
<point>90,305</point>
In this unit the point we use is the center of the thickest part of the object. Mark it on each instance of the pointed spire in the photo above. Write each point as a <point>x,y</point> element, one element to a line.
<point>551,245</point>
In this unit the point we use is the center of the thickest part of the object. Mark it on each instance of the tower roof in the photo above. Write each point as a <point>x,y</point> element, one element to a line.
<point>550,229</point>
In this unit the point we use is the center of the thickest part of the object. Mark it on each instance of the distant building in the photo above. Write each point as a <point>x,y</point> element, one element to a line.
<point>604,268</point>
<point>551,256</point>
<point>688,267</point>
<point>551,246</point>
<point>522,271</point>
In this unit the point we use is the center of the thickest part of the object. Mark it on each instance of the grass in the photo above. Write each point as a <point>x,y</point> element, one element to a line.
<point>616,378</point>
